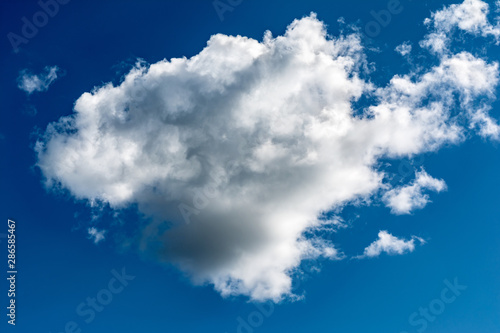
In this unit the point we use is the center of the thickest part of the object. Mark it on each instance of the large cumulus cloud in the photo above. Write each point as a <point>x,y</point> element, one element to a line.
<point>246,145</point>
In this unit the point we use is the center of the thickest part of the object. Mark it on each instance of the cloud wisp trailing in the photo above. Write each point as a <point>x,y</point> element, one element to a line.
<point>31,83</point>
<point>256,140</point>
<point>96,235</point>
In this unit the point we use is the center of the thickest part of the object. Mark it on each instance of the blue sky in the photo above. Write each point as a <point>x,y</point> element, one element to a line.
<point>452,236</point>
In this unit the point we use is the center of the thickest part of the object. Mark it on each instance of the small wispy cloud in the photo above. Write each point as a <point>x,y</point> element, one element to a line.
<point>404,49</point>
<point>404,199</point>
<point>30,82</point>
<point>389,244</point>
<point>96,235</point>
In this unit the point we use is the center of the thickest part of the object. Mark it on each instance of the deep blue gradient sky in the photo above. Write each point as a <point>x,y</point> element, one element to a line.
<point>96,42</point>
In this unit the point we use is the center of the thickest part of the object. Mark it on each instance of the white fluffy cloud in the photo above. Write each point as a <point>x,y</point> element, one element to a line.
<point>390,244</point>
<point>470,16</point>
<point>404,199</point>
<point>37,82</point>
<point>244,146</point>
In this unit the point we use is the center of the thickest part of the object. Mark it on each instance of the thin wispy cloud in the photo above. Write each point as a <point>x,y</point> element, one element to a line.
<point>244,146</point>
<point>404,49</point>
<point>30,83</point>
<point>96,235</point>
